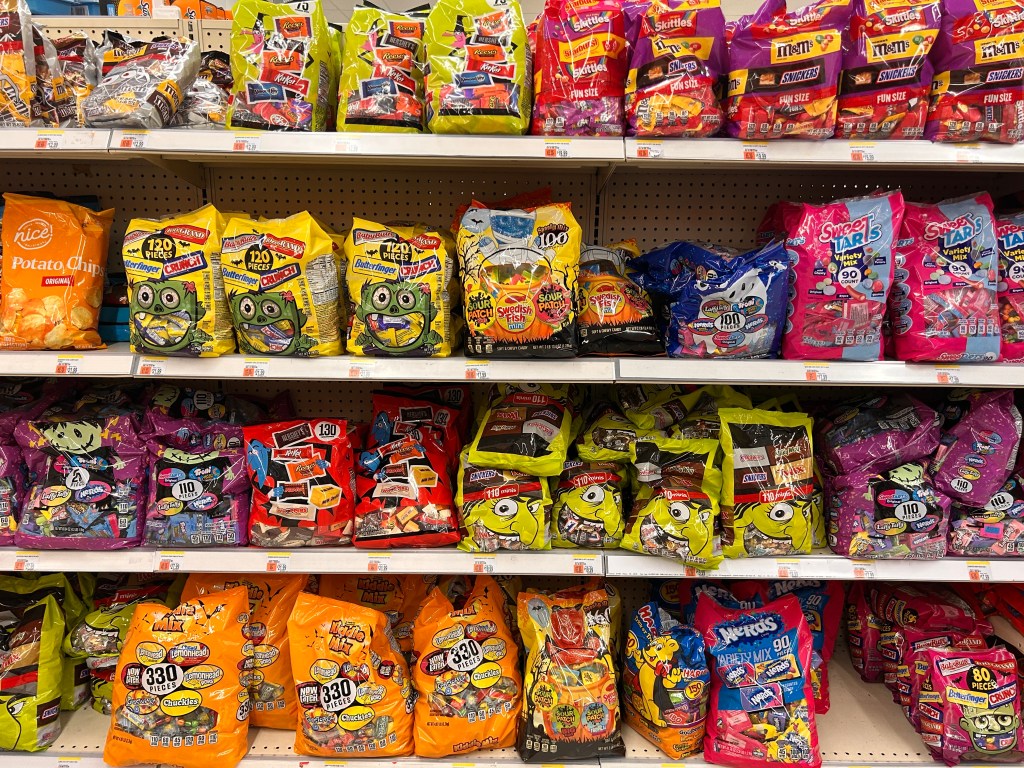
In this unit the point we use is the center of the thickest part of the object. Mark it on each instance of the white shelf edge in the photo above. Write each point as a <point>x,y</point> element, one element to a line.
<point>115,360</point>
<point>43,142</point>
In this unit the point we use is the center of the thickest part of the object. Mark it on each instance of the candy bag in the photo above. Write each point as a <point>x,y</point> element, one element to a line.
<point>677,57</point>
<point>178,695</point>
<point>17,64</point>
<point>352,683</point>
<point>54,260</point>
<point>665,682</point>
<point>677,502</point>
<point>398,279</point>
<point>519,277</point>
<point>913,666</point>
<point>609,435</point>
<point>478,66</point>
<point>863,631</point>
<point>995,529</point>
<point>615,314</point>
<point>466,672</point>
<point>571,709</point>
<point>702,406</point>
<point>907,605</point>
<point>76,55</point>
<point>301,475</point>
<point>842,258</point>
<point>416,415</point>
<point>978,87</point>
<point>280,56</point>
<point>944,302</point>
<point>266,670</point>
<point>205,105</point>
<point>1010,239</point>
<point>528,431</point>
<point>175,289</point>
<point>886,79</point>
<point>767,488</point>
<point>728,594</point>
<point>502,509</point>
<point>652,406</point>
<point>52,104</point>
<point>397,597</point>
<point>587,505</point>
<point>784,71</point>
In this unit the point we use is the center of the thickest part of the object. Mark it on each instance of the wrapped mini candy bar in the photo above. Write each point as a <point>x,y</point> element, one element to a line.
<point>76,56</point>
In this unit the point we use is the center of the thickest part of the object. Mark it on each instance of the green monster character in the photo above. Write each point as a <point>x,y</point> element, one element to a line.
<point>772,525</point>
<point>397,318</point>
<point>270,324</point>
<point>677,528</point>
<point>511,520</point>
<point>587,516</point>
<point>165,317</point>
<point>992,731</point>
<point>74,436</point>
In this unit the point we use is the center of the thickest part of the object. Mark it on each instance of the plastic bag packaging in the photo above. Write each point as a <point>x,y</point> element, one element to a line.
<point>12,491</point>
<point>526,431</point>
<point>768,487</point>
<point>571,708</point>
<point>17,65</point>
<point>943,303</point>
<point>587,501</point>
<point>520,272</point>
<point>677,501</point>
<point>912,668</point>
<point>466,672</point>
<point>502,509</point>
<point>609,435</point>
<point>886,81</point>
<point>205,105</point>
<point>864,629</point>
<point>52,102</point>
<point>190,403</point>
<point>978,87</point>
<point>995,529</point>
<point>142,83</point>
<point>1010,239</point>
<point>76,54</point>
<point>266,670</point>
<point>842,259</point>
<point>762,702</point>
<point>398,279</point>
<point>702,406</point>
<point>280,56</point>
<point>784,71</point>
<point>478,62</point>
<point>54,261</point>
<point>175,288</point>
<point>418,415</point>
<point>281,278</point>
<point>353,687</point>
<point>615,314</point>
<point>677,57</point>
<point>729,594</point>
<point>652,406</point>
<point>909,605</point>
<point>665,682</point>
<point>397,597</point>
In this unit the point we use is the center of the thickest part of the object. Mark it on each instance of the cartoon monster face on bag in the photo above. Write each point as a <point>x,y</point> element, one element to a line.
<point>164,315</point>
<point>397,316</point>
<point>269,323</point>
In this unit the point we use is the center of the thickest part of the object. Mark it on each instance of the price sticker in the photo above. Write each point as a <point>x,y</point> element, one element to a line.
<point>133,140</point>
<point>277,562</point>
<point>816,372</point>
<point>556,149</point>
<point>253,368</point>
<point>788,569</point>
<point>690,572</point>
<point>26,561</point>
<point>864,569</point>
<point>584,565</point>
<point>377,563</point>
<point>347,147</point>
<point>152,366</point>
<point>169,562</point>
<point>360,370</point>
<point>68,365</point>
<point>49,140</point>
<point>68,762</point>
<point>947,374</point>
<point>335,763</point>
<point>245,142</point>
<point>476,372</point>
<point>755,152</point>
<point>483,563</point>
<point>979,570</point>
<point>968,153</point>
<point>649,150</point>
<point>862,153</point>
<point>463,765</point>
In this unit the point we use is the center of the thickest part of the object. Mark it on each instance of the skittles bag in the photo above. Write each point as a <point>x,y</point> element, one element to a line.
<point>466,671</point>
<point>351,681</point>
<point>178,691</point>
<point>397,597</point>
<point>587,505</point>
<point>1010,239</point>
<point>615,314</point>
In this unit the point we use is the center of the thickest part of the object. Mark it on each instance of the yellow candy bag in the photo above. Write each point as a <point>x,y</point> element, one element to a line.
<point>609,435</point>
<point>397,279</point>
<point>17,64</point>
<point>527,431</point>
<point>175,289</point>
<point>587,505</point>
<point>281,279</point>
<point>701,422</point>
<point>768,489</point>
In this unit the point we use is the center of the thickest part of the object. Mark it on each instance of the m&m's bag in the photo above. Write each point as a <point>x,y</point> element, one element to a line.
<point>1010,238</point>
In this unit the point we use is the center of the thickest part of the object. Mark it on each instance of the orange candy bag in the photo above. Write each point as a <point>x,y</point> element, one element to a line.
<point>268,671</point>
<point>397,597</point>
<point>351,680</point>
<point>466,671</point>
<point>54,260</point>
<point>177,695</point>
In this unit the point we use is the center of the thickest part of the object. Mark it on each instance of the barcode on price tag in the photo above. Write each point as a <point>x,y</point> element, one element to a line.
<point>133,140</point>
<point>862,153</point>
<point>49,140</point>
<point>649,150</point>
<point>151,366</point>
<point>68,365</point>
<point>483,563</point>
<point>347,147</point>
<point>815,372</point>
<point>277,562</point>
<point>255,369</point>
<point>979,570</point>
<point>864,569</point>
<point>757,152</point>
<point>246,143</point>
<point>169,561</point>
<point>584,565</point>
<point>947,374</point>
<point>788,569</point>
<point>360,370</point>
<point>476,372</point>
<point>377,563</point>
<point>69,762</point>
<point>556,149</point>
<point>26,561</point>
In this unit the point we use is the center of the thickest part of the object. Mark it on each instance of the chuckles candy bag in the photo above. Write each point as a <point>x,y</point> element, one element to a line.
<point>677,57</point>
<point>352,684</point>
<point>784,71</point>
<point>1010,240</point>
<point>520,272</point>
<point>944,302</point>
<point>397,597</point>
<point>587,501</point>
<point>178,693</point>
<point>615,314</point>
<point>502,508</point>
<point>841,254</point>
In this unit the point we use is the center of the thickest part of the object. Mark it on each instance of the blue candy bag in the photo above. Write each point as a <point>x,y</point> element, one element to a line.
<point>666,271</point>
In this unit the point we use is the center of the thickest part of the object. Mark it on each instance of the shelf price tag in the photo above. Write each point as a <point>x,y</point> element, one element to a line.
<point>169,562</point>
<point>483,563</point>
<point>556,148</point>
<point>862,153</point>
<point>864,569</point>
<point>378,563</point>
<point>947,374</point>
<point>246,142</point>
<point>277,562</point>
<point>476,371</point>
<point>133,140</point>
<point>584,565</point>
<point>152,366</point>
<point>49,140</point>
<point>968,153</point>
<point>788,569</point>
<point>649,150</point>
<point>334,763</point>
<point>255,368</point>
<point>346,147</point>
<point>979,570</point>
<point>68,762</point>
<point>755,152</point>
<point>361,370</point>
<point>815,372</point>
<point>68,365</point>
<point>26,561</point>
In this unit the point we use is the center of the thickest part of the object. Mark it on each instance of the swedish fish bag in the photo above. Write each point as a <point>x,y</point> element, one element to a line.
<point>352,683</point>
<point>268,671</point>
<point>175,291</point>
<point>397,279</point>
<point>178,695</point>
<point>281,279</point>
<point>466,672</point>
<point>520,271</point>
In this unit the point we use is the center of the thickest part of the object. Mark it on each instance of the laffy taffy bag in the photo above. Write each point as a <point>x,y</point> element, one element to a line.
<point>54,261</point>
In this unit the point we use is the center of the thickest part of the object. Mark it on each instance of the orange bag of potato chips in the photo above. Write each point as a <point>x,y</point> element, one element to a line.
<point>466,672</point>
<point>268,671</point>
<point>351,680</point>
<point>397,597</point>
<point>54,260</point>
<point>177,694</point>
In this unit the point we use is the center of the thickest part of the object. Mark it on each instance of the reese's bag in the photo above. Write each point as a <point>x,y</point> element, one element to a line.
<point>502,508</point>
<point>351,680</point>
<point>176,294</point>
<point>281,279</point>
<point>178,691</point>
<point>466,672</point>
<point>267,669</point>
<point>587,504</point>
<point>397,597</point>
<point>397,280</point>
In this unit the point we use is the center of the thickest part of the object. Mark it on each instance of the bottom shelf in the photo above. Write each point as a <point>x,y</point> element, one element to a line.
<point>863,728</point>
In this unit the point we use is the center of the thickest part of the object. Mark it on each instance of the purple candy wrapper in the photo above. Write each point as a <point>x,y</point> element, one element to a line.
<point>12,491</point>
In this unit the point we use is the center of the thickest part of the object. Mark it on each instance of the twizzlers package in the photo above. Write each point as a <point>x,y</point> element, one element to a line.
<point>784,71</point>
<point>883,93</point>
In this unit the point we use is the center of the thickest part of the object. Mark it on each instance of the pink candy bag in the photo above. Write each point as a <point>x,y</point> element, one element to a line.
<point>908,605</point>
<point>864,631</point>
<point>1010,237</point>
<point>943,303</point>
<point>913,666</point>
<point>841,255</point>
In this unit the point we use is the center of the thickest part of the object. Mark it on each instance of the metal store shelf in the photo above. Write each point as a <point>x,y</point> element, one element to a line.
<point>115,360</point>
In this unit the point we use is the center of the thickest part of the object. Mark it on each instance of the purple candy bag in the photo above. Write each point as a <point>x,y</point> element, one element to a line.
<point>977,454</point>
<point>87,484</point>
<point>877,433</point>
<point>12,491</point>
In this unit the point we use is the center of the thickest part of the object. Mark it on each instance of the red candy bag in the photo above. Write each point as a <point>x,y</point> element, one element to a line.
<point>864,630</point>
<point>784,71</point>
<point>1010,237</point>
<point>907,605</point>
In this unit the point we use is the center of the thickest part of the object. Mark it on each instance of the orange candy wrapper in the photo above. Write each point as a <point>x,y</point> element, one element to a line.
<point>397,597</point>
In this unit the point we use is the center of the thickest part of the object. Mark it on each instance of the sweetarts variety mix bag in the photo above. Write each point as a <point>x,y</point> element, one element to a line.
<point>1010,240</point>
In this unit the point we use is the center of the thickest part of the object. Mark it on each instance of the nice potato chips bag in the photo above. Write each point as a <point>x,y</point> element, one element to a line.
<point>281,277</point>
<point>175,289</point>
<point>54,260</point>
